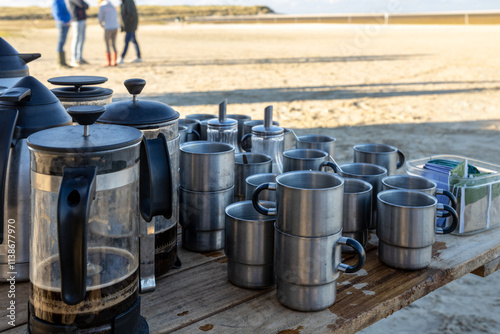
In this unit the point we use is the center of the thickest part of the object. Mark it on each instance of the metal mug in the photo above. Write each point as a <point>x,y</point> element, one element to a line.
<point>407,227</point>
<point>290,140</point>
<point>414,182</point>
<point>307,269</point>
<point>318,142</point>
<point>249,246</point>
<point>203,119</point>
<point>253,181</point>
<point>303,159</point>
<point>357,209</point>
<point>247,164</point>
<point>193,126</point>
<point>206,166</point>
<point>241,119</point>
<point>383,155</point>
<point>308,203</point>
<point>185,132</point>
<point>370,173</point>
<point>202,217</point>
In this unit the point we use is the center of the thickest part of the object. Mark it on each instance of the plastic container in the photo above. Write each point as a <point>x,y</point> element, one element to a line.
<point>478,198</point>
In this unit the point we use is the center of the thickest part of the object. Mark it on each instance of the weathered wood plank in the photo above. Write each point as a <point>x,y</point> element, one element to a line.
<point>488,269</point>
<point>21,303</point>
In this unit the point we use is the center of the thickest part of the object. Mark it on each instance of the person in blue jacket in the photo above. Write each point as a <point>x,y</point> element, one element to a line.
<point>62,17</point>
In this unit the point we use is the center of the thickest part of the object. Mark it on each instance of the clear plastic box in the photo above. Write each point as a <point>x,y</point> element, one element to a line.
<point>478,198</point>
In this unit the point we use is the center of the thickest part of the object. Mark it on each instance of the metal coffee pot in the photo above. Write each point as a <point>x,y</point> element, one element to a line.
<point>87,193</point>
<point>159,241</point>
<point>13,65</point>
<point>25,108</point>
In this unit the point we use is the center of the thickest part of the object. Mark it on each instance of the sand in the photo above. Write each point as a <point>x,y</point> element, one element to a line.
<point>424,89</point>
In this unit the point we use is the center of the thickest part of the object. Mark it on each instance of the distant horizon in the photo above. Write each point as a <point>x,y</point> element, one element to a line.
<point>315,6</point>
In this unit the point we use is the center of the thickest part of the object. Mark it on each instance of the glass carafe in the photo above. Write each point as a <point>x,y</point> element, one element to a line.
<point>269,139</point>
<point>223,130</point>
<point>84,231</point>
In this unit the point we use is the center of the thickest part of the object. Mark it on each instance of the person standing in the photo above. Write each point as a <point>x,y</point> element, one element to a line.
<point>62,17</point>
<point>108,19</point>
<point>130,20</point>
<point>78,11</point>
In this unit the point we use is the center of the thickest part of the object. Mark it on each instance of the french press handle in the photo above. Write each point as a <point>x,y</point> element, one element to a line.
<point>76,193</point>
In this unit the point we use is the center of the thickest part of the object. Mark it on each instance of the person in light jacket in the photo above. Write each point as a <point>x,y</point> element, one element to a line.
<point>130,20</point>
<point>78,11</point>
<point>62,18</point>
<point>108,19</point>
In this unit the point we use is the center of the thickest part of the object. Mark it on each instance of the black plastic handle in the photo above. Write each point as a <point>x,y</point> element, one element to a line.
<point>76,194</point>
<point>135,86</point>
<point>330,164</point>
<point>243,143</point>
<point>448,194</point>
<point>401,159</point>
<point>194,132</point>
<point>255,199</point>
<point>8,119</point>
<point>27,57</point>
<point>156,186</point>
<point>16,94</point>
<point>454,223</point>
<point>360,252</point>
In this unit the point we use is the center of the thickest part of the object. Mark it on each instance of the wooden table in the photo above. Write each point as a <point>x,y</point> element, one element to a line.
<point>199,298</point>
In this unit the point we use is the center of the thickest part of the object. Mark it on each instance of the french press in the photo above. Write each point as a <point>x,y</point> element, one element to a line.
<point>223,129</point>
<point>269,139</point>
<point>86,200</point>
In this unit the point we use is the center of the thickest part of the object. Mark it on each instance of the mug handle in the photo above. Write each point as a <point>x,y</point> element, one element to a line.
<point>330,164</point>
<point>255,199</point>
<point>360,252</point>
<point>453,213</point>
<point>401,159</point>
<point>246,147</point>
<point>195,133</point>
<point>448,194</point>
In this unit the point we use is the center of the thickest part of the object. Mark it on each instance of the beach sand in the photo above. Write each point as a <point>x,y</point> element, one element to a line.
<point>424,89</point>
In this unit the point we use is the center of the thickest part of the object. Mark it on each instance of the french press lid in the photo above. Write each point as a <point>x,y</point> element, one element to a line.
<point>13,63</point>
<point>222,122</point>
<point>87,137</point>
<point>79,87</point>
<point>267,129</point>
<point>137,113</point>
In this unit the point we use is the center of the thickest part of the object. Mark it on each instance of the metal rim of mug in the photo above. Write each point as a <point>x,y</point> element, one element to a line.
<point>316,139</point>
<point>296,154</point>
<point>367,187</point>
<point>265,158</point>
<point>363,148</point>
<point>431,184</point>
<point>223,147</point>
<point>381,170</point>
<point>399,195</point>
<point>296,175</point>
<point>272,178</point>
<point>258,217</point>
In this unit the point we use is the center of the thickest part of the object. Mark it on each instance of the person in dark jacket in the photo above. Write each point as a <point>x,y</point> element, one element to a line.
<point>78,11</point>
<point>129,22</point>
<point>62,18</point>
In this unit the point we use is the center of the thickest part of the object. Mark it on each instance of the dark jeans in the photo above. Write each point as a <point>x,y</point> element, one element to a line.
<point>63,29</point>
<point>130,37</point>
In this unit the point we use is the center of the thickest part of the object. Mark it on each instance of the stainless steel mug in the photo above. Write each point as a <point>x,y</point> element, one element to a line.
<point>308,203</point>
<point>357,209</point>
<point>370,173</point>
<point>247,164</point>
<point>407,227</point>
<point>253,181</point>
<point>185,132</point>
<point>414,182</point>
<point>318,142</point>
<point>203,119</point>
<point>249,246</point>
<point>307,269</point>
<point>303,159</point>
<point>193,126</point>
<point>202,217</point>
<point>206,166</point>
<point>383,155</point>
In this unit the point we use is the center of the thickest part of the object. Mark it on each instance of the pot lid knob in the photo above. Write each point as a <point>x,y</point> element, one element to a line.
<point>135,86</point>
<point>86,116</point>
